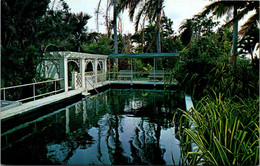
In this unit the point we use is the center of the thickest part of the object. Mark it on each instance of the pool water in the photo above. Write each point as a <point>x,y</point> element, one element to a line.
<point>114,127</point>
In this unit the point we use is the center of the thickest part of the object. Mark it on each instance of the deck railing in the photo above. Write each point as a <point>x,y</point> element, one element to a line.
<point>34,90</point>
<point>128,75</point>
<point>92,79</point>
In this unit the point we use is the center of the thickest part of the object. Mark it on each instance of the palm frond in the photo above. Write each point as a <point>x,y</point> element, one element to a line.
<point>250,6</point>
<point>132,7</point>
<point>138,17</point>
<point>247,26</point>
<point>210,8</point>
<point>222,7</point>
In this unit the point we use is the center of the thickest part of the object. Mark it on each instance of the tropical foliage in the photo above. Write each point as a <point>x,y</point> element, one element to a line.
<point>150,9</point>
<point>225,116</point>
<point>226,132</point>
<point>31,28</point>
<point>223,124</point>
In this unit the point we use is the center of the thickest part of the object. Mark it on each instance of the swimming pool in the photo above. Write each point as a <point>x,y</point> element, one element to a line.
<point>117,126</point>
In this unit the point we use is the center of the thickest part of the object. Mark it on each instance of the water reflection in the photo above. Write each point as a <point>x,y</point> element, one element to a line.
<point>116,127</point>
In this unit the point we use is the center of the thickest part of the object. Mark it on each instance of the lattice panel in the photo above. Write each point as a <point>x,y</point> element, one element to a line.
<point>78,80</point>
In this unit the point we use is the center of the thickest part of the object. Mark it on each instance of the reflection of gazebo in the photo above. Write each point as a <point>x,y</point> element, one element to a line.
<point>57,64</point>
<point>156,73</point>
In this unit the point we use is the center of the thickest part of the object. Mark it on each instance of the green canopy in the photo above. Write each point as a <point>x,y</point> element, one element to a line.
<point>144,55</point>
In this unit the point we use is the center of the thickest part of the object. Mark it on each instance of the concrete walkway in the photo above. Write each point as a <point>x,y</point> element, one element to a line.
<point>38,103</point>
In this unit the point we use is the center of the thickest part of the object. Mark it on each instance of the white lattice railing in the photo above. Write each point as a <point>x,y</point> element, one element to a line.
<point>90,79</point>
<point>76,80</point>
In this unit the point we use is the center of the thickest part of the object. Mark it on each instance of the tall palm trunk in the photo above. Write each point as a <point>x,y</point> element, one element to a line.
<point>235,38</point>
<point>158,37</point>
<point>115,32</point>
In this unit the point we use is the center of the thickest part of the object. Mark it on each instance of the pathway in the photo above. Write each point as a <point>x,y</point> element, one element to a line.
<point>38,103</point>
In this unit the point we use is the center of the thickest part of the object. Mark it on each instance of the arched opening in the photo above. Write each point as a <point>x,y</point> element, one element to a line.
<point>89,67</point>
<point>100,71</point>
<point>100,65</point>
<point>89,72</point>
<point>72,66</point>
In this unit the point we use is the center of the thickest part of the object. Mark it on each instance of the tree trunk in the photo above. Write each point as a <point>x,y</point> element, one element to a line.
<point>158,37</point>
<point>97,14</point>
<point>235,38</point>
<point>115,32</point>
<point>107,21</point>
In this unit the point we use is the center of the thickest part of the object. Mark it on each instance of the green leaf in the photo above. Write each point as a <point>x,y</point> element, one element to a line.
<point>221,151</point>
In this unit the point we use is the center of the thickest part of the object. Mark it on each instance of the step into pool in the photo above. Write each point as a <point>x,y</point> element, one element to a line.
<point>117,126</point>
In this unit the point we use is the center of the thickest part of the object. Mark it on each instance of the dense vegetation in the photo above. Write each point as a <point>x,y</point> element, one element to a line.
<point>224,123</point>
<point>226,96</point>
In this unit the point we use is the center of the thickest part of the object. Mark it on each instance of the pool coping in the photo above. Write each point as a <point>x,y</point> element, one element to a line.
<point>189,106</point>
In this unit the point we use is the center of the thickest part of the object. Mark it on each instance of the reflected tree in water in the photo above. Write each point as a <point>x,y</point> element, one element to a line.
<point>101,123</point>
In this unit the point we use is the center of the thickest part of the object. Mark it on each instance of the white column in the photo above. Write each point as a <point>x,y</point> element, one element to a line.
<point>82,72</point>
<point>105,70</point>
<point>64,73</point>
<point>74,79</point>
<point>95,69</point>
<point>109,71</point>
<point>105,65</point>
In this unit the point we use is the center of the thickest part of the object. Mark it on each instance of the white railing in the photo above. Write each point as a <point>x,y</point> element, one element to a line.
<point>91,79</point>
<point>154,76</point>
<point>4,90</point>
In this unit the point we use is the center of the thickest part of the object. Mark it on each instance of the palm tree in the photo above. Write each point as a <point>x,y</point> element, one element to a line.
<point>80,20</point>
<point>195,27</point>
<point>240,9</point>
<point>150,9</point>
<point>186,30</point>
<point>115,32</point>
<point>115,14</point>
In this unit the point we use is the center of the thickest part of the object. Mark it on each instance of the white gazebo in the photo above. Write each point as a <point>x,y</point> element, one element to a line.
<point>55,65</point>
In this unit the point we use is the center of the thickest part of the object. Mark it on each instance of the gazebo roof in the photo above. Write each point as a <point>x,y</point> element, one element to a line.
<point>144,55</point>
<point>73,55</point>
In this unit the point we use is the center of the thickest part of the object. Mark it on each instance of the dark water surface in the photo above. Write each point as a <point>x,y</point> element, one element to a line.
<point>114,127</point>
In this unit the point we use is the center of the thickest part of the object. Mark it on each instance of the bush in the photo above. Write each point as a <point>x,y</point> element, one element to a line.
<point>226,131</point>
<point>199,76</point>
<point>227,114</point>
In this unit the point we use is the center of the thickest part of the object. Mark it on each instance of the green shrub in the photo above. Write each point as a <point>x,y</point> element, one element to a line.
<point>226,131</point>
<point>198,77</point>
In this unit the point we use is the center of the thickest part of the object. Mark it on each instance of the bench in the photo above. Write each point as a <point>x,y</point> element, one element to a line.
<point>125,74</point>
<point>157,75</point>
